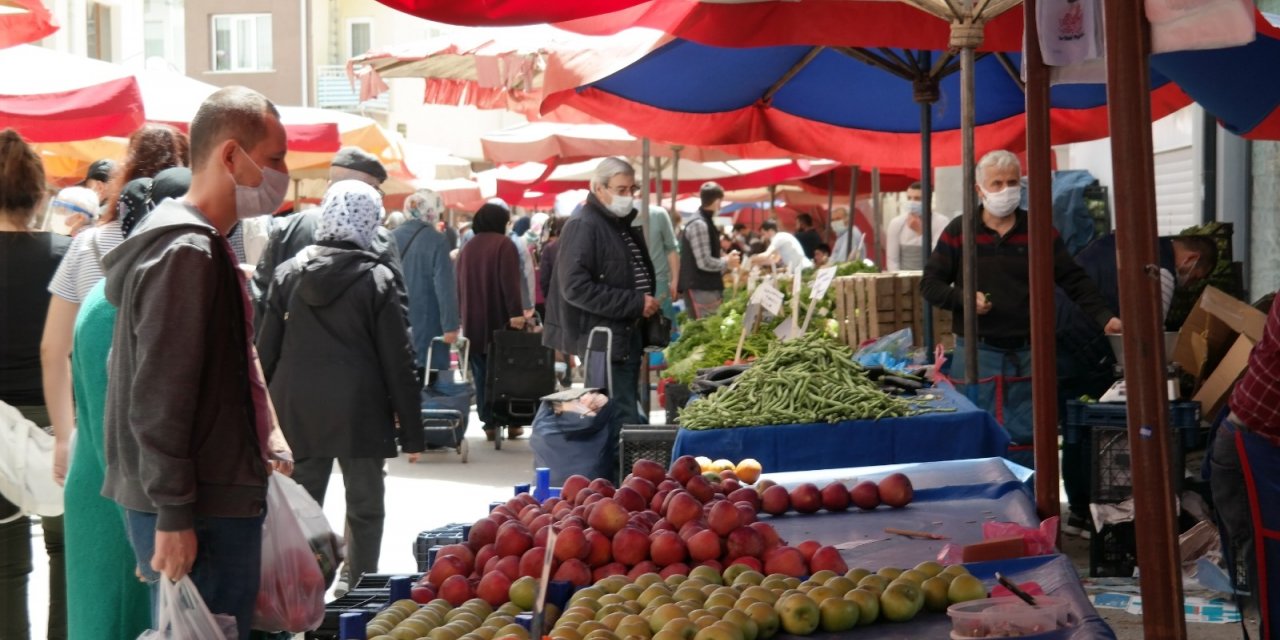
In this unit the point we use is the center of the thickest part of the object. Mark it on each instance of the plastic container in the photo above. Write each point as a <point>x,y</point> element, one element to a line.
<point>1007,617</point>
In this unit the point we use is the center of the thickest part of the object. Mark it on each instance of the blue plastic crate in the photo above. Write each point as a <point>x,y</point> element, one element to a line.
<point>448,534</point>
<point>1184,418</point>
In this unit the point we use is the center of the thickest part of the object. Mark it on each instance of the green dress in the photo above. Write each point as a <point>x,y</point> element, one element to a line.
<point>104,597</point>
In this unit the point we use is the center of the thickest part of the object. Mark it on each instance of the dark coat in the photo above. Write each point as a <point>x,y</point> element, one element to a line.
<point>488,287</point>
<point>336,351</point>
<point>594,284</point>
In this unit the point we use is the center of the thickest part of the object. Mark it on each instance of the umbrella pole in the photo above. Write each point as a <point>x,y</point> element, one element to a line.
<point>773,196</point>
<point>853,200</point>
<point>675,175</point>
<point>877,214</point>
<point>644,224</point>
<point>1044,378</point>
<point>1155,516</point>
<point>969,268</point>
<point>297,196</point>
<point>831,199</point>
<point>926,95</point>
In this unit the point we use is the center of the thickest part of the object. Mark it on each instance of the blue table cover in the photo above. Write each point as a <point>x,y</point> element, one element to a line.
<point>953,499</point>
<point>968,432</point>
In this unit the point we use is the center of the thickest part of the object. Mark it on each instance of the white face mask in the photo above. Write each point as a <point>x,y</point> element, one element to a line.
<point>1003,202</point>
<point>266,197</point>
<point>620,205</point>
<point>913,207</point>
<point>839,226</point>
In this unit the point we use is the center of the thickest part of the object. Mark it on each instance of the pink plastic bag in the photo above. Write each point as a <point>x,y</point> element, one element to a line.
<point>291,591</point>
<point>1039,541</point>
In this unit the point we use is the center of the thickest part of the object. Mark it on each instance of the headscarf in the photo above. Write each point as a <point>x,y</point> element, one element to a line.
<point>521,226</point>
<point>140,197</point>
<point>72,201</point>
<point>425,205</point>
<point>537,223</point>
<point>350,213</point>
<point>491,218</point>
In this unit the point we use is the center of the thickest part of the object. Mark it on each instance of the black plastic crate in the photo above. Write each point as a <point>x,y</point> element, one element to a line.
<point>1184,418</point>
<point>448,534</point>
<point>677,396</point>
<point>1104,427</point>
<point>367,602</point>
<point>645,441</point>
<point>380,581</point>
<point>1113,551</point>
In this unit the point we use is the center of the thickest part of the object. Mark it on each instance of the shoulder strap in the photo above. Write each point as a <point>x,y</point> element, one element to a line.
<point>412,238</point>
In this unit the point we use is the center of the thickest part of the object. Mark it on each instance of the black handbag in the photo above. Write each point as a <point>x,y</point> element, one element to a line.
<point>656,331</point>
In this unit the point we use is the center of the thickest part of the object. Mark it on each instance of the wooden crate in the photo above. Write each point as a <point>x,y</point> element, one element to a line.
<point>870,306</point>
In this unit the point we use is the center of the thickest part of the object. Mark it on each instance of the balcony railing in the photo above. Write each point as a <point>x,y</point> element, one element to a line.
<point>335,91</point>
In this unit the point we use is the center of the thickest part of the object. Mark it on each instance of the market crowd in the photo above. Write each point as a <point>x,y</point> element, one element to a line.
<point>194,345</point>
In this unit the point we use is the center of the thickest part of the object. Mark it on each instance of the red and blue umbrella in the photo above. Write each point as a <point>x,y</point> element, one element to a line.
<point>23,21</point>
<point>479,13</point>
<point>826,102</point>
<point>1234,84</point>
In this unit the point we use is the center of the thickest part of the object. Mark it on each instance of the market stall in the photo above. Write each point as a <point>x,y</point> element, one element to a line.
<point>956,429</point>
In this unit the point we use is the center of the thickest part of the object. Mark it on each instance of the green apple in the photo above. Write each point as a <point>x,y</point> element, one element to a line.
<point>955,570</point>
<point>799,614</point>
<point>929,568</point>
<point>935,594</point>
<point>916,577</point>
<point>839,614</point>
<point>876,581</point>
<point>747,578</point>
<point>767,596</point>
<point>633,625</point>
<point>856,574</point>
<point>647,580</point>
<point>708,574</point>
<point>898,603</point>
<point>514,629</point>
<point>840,584</point>
<point>682,626</point>
<point>766,619</point>
<point>523,592</point>
<point>822,576</point>
<point>740,619</point>
<point>965,588</point>
<point>868,604</point>
<point>663,616</point>
<point>889,572</point>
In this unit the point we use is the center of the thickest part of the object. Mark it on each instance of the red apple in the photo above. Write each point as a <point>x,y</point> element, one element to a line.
<point>700,488</point>
<point>658,500</point>
<point>768,534</point>
<point>483,532</point>
<point>835,497</point>
<point>643,487</point>
<point>745,494</point>
<point>808,548</point>
<point>662,525</point>
<point>461,551</point>
<point>513,540</point>
<point>866,495</point>
<point>669,484</point>
<point>540,537</point>
<point>714,564</point>
<point>705,545</point>
<point>677,569</point>
<point>509,565</point>
<point>684,468</point>
<point>744,541</point>
<point>666,548</point>
<point>806,498</point>
<point>730,485</point>
<point>683,508</point>
<point>775,500</point>
<point>528,513</point>
<point>690,528</point>
<point>630,546</point>
<point>445,568</point>
<point>602,487</point>
<point>746,513</point>
<point>723,518</point>
<point>531,562</point>
<point>456,590</point>
<point>483,556</point>
<point>611,569</point>
<point>571,542</point>
<point>896,490</point>
<point>641,569</point>
<point>827,558</point>
<point>785,560</point>
<point>575,571</point>
<point>582,496</point>
<point>494,588</point>
<point>601,551</point>
<point>753,563</point>
<point>649,470</point>
<point>422,594</point>
<point>630,499</point>
<point>608,517</point>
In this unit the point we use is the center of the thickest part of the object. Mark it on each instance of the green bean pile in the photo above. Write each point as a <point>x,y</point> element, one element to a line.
<point>807,380</point>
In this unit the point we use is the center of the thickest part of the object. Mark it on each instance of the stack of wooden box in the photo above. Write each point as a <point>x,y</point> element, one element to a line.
<point>873,305</point>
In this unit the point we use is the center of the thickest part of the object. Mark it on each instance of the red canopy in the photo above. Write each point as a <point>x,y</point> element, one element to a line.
<point>49,96</point>
<point>31,22</point>
<point>505,12</point>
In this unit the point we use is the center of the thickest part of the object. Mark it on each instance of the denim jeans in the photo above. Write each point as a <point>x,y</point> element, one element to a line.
<point>227,567</point>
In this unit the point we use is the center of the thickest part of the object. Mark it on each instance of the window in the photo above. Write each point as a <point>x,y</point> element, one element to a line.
<point>360,33</point>
<point>242,42</point>
<point>98,31</point>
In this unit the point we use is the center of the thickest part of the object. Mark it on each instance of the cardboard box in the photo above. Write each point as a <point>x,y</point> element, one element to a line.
<point>1214,345</point>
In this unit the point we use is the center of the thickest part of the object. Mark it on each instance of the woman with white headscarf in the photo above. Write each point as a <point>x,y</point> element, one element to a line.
<point>336,352</point>
<point>429,277</point>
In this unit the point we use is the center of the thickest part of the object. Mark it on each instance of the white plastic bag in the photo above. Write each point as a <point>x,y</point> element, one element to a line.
<point>325,544</point>
<point>184,616</point>
<point>1185,25</point>
<point>291,589</point>
<point>26,466</point>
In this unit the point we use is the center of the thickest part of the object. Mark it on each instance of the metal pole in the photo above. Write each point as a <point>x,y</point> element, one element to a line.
<point>831,199</point>
<point>1155,516</point>
<point>853,200</point>
<point>644,222</point>
<point>969,269</point>
<point>773,197</point>
<point>877,214</point>
<point>926,98</point>
<point>1044,378</point>
<point>675,175</point>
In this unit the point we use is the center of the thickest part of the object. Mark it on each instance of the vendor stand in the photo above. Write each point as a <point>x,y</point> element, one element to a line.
<point>956,429</point>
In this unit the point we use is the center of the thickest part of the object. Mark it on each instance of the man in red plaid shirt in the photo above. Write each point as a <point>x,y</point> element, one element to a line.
<point>1245,464</point>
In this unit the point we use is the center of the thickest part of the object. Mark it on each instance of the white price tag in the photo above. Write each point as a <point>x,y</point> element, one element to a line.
<point>822,282</point>
<point>768,296</point>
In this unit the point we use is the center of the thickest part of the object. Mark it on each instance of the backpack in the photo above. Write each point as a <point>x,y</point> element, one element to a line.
<point>26,466</point>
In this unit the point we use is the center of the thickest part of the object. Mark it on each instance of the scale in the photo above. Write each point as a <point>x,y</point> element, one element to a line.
<point>1173,371</point>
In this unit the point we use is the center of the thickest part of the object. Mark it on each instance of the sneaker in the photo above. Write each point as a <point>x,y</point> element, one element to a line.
<point>1078,525</point>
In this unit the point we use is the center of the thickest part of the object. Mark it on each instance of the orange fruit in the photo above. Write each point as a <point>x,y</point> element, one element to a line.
<point>748,471</point>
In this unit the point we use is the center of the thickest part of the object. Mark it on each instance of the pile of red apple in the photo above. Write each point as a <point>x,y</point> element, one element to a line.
<point>655,522</point>
<point>894,490</point>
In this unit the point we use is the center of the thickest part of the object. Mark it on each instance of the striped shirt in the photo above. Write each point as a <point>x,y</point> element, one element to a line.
<point>643,282</point>
<point>81,269</point>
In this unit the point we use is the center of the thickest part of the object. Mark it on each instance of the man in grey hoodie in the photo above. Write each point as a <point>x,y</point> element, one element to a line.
<point>187,425</point>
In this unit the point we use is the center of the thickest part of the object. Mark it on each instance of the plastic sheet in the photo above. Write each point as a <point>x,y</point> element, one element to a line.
<point>966,432</point>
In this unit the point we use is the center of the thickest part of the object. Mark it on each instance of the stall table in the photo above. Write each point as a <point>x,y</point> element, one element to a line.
<point>953,499</point>
<point>964,432</point>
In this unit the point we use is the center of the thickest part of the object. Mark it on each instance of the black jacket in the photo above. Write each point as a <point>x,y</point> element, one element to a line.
<point>594,282</point>
<point>337,354</point>
<point>179,430</point>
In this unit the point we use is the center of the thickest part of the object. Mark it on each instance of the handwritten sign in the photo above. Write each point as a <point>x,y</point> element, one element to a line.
<point>768,296</point>
<point>822,282</point>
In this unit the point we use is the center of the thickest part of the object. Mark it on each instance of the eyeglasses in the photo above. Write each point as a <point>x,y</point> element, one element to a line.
<point>623,190</point>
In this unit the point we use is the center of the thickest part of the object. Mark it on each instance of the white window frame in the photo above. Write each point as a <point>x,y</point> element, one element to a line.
<point>252,19</point>
<point>351,22</point>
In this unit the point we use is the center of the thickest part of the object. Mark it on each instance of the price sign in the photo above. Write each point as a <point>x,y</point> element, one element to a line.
<point>822,282</point>
<point>768,296</point>
<point>751,317</point>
